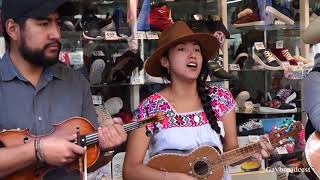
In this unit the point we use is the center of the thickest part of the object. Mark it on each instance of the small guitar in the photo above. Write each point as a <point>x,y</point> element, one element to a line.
<point>207,162</point>
<point>312,155</point>
<point>88,137</point>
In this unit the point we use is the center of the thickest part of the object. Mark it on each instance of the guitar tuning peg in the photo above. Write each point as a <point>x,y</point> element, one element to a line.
<point>148,132</point>
<point>156,129</point>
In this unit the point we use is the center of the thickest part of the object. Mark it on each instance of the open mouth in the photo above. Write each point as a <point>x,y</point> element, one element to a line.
<point>192,65</point>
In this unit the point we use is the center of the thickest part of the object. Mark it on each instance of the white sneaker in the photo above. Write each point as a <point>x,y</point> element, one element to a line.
<point>250,125</point>
<point>96,70</point>
<point>241,99</point>
<point>113,105</point>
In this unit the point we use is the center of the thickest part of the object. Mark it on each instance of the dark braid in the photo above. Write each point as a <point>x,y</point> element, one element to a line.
<point>203,93</point>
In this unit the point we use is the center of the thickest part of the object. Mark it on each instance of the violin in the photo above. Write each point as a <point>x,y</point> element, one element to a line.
<point>87,137</point>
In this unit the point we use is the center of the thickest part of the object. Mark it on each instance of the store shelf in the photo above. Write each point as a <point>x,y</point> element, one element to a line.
<point>270,27</point>
<point>257,111</point>
<point>144,84</point>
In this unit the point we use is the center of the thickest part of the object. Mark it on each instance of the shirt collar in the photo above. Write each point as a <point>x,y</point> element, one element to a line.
<point>57,70</point>
<point>8,71</point>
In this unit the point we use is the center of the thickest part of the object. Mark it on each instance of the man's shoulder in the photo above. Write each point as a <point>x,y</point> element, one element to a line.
<point>63,71</point>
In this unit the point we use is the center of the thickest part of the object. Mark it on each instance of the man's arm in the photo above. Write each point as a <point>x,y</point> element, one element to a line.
<point>311,95</point>
<point>16,158</point>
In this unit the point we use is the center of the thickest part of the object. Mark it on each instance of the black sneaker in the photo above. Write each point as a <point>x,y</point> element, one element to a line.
<point>215,24</point>
<point>216,70</point>
<point>92,26</point>
<point>241,56</point>
<point>198,26</point>
<point>267,59</point>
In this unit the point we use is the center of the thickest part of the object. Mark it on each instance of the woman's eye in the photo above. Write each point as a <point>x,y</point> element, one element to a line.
<point>197,50</point>
<point>180,49</point>
<point>44,24</point>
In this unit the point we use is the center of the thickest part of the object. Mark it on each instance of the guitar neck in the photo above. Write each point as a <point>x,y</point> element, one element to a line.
<point>92,138</point>
<point>239,154</point>
<point>242,153</point>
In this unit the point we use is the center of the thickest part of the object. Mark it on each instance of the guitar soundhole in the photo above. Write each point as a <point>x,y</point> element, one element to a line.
<point>25,140</point>
<point>2,145</point>
<point>201,168</point>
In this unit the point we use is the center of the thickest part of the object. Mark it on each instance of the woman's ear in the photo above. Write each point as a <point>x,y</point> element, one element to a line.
<point>164,62</point>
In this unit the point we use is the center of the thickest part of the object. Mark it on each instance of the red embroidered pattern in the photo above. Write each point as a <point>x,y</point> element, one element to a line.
<point>221,102</point>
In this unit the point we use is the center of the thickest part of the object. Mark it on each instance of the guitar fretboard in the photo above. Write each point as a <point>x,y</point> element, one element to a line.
<point>93,137</point>
<point>239,154</point>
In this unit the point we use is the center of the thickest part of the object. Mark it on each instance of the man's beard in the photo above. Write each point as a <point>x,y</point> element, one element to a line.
<point>38,57</point>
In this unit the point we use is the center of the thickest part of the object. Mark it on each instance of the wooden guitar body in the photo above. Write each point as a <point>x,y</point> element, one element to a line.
<point>11,138</point>
<point>206,162</point>
<point>202,163</point>
<point>86,137</point>
<point>312,152</point>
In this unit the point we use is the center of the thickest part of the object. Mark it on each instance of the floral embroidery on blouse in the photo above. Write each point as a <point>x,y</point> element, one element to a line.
<point>222,102</point>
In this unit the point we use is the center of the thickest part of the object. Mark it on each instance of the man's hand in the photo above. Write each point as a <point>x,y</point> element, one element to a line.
<point>112,136</point>
<point>58,151</point>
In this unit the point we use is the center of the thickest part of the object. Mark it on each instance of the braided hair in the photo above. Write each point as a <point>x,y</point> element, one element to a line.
<point>203,92</point>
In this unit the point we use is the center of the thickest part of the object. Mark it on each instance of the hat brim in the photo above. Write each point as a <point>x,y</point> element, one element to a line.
<point>208,43</point>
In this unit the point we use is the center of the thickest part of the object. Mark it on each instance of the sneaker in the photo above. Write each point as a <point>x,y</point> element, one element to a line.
<point>249,20</point>
<point>113,105</point>
<point>216,69</point>
<point>245,12</point>
<point>284,55</point>
<point>215,24</point>
<point>286,95</point>
<point>92,26</point>
<point>123,67</point>
<point>68,26</point>
<point>284,109</point>
<point>267,59</point>
<point>281,13</point>
<point>252,124</point>
<point>241,56</point>
<point>96,70</point>
<point>198,26</point>
<point>160,17</point>
<point>241,98</point>
<point>307,63</point>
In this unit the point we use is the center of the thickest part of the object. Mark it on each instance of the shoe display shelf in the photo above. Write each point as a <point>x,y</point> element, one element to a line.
<point>269,34</point>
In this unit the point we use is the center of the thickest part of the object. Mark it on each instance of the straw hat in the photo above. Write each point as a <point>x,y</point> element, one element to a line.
<point>179,32</point>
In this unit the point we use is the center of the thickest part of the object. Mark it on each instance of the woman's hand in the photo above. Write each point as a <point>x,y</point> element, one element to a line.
<point>178,176</point>
<point>266,147</point>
